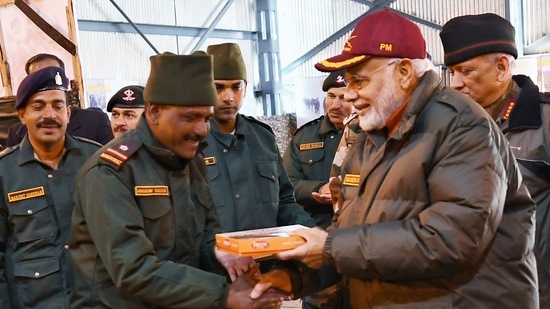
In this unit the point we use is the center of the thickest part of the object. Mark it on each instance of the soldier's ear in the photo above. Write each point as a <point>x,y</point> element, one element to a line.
<point>152,113</point>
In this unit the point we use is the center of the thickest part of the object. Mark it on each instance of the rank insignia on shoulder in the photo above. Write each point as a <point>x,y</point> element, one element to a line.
<point>351,180</point>
<point>210,160</point>
<point>151,191</point>
<point>310,146</point>
<point>114,156</point>
<point>26,194</point>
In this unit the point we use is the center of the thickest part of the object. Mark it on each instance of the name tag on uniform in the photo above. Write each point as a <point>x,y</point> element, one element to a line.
<point>351,180</point>
<point>151,191</point>
<point>26,194</point>
<point>210,160</point>
<point>309,146</point>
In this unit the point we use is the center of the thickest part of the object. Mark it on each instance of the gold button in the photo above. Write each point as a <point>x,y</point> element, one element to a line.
<point>36,274</point>
<point>29,212</point>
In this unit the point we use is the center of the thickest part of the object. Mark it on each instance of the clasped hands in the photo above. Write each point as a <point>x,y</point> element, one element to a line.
<point>276,285</point>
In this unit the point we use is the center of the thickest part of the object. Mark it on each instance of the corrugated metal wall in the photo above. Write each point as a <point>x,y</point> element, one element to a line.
<point>303,25</point>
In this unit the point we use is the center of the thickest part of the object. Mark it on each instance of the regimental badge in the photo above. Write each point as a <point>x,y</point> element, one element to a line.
<point>26,194</point>
<point>351,180</point>
<point>151,191</point>
<point>130,95</point>
<point>57,79</point>
<point>210,161</point>
<point>310,146</point>
<point>348,45</point>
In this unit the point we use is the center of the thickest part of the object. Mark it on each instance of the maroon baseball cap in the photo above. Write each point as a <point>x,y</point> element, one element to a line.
<point>380,34</point>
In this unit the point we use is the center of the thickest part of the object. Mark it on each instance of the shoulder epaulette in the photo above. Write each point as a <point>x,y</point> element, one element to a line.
<point>83,139</point>
<point>545,97</point>
<point>263,124</point>
<point>117,154</point>
<point>8,150</point>
<point>314,121</point>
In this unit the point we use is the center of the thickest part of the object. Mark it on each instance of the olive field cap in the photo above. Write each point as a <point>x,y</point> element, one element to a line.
<point>49,78</point>
<point>127,97</point>
<point>228,61</point>
<point>468,36</point>
<point>185,80</point>
<point>380,34</point>
<point>334,80</point>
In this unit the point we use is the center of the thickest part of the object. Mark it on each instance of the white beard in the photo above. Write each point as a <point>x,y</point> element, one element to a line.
<point>376,116</point>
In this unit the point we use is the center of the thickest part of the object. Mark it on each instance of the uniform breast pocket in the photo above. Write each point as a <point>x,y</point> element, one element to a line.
<point>31,219</point>
<point>310,157</point>
<point>39,283</point>
<point>158,219</point>
<point>269,181</point>
<point>215,183</point>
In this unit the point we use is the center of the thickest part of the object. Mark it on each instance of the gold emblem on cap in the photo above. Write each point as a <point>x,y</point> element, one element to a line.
<point>348,45</point>
<point>58,80</point>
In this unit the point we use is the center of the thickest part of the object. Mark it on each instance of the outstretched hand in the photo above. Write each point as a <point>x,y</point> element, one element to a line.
<point>234,264</point>
<point>241,288</point>
<point>323,195</point>
<point>311,252</point>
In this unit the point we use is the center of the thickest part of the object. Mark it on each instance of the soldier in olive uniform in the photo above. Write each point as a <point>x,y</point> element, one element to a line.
<point>37,182</point>
<point>146,239</point>
<point>308,158</point>
<point>243,160</point>
<point>126,107</point>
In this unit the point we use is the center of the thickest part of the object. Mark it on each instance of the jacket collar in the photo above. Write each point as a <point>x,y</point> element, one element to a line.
<point>526,113</point>
<point>326,126</point>
<point>26,151</point>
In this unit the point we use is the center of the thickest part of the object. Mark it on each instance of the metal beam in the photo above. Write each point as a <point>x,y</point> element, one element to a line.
<point>377,6</point>
<point>134,26</point>
<point>531,48</point>
<point>419,20</point>
<point>214,23</point>
<point>120,27</point>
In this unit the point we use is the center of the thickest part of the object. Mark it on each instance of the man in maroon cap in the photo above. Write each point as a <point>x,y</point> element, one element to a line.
<point>126,107</point>
<point>37,181</point>
<point>480,53</point>
<point>433,213</point>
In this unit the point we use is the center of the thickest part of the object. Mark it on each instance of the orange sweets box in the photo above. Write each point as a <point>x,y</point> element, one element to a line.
<point>260,242</point>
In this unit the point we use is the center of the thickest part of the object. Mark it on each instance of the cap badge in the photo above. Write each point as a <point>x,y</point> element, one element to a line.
<point>340,79</point>
<point>123,147</point>
<point>348,46</point>
<point>58,80</point>
<point>129,95</point>
<point>386,46</point>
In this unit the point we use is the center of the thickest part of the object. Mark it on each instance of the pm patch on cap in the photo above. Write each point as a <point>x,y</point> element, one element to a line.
<point>49,78</point>
<point>468,36</point>
<point>380,34</point>
<point>185,80</point>
<point>127,97</point>
<point>334,80</point>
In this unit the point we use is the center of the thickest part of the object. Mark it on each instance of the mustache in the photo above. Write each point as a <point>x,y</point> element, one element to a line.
<point>48,123</point>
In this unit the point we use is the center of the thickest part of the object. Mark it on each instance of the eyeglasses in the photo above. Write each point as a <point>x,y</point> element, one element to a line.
<point>356,81</point>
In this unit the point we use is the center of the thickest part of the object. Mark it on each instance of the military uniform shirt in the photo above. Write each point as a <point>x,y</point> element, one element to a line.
<point>250,187</point>
<point>35,220</point>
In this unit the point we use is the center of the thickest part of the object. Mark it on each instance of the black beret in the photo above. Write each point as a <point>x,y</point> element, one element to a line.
<point>228,61</point>
<point>49,78</point>
<point>334,80</point>
<point>127,97</point>
<point>181,80</point>
<point>468,36</point>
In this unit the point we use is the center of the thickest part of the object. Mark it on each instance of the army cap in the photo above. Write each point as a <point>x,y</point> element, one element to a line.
<point>49,78</point>
<point>334,80</point>
<point>127,97</point>
<point>228,61</point>
<point>185,80</point>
